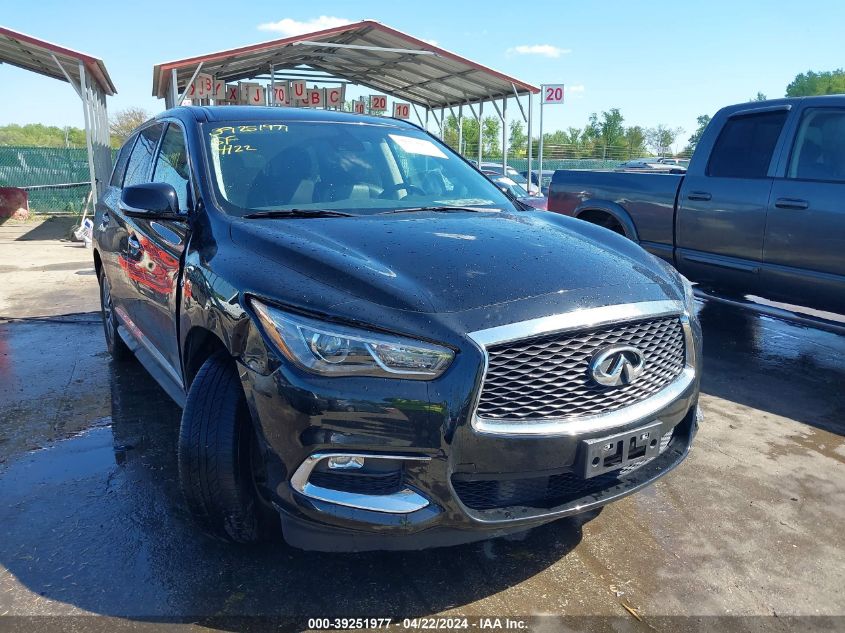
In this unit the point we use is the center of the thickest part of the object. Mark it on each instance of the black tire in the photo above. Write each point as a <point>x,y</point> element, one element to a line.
<point>220,469</point>
<point>117,348</point>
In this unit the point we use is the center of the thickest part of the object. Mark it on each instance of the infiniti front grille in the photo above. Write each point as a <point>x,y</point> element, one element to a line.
<point>548,377</point>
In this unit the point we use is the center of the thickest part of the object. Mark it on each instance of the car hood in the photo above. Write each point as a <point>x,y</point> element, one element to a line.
<point>448,262</point>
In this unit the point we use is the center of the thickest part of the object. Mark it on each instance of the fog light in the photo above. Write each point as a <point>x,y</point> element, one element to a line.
<point>345,462</point>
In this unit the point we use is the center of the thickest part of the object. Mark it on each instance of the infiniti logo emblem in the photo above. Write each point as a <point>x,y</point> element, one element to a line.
<point>617,366</point>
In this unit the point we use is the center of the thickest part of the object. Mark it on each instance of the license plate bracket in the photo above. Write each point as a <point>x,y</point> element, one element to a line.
<point>605,454</point>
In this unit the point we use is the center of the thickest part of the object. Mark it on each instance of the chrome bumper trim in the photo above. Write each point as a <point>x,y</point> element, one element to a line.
<point>401,502</point>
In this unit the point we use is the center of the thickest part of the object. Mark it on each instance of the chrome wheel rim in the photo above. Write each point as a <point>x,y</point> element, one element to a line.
<point>108,323</point>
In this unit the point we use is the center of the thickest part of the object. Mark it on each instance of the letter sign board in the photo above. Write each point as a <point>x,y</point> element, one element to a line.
<point>360,106</point>
<point>204,86</point>
<point>553,93</point>
<point>298,91</point>
<point>232,92</point>
<point>334,97</point>
<point>401,111</point>
<point>281,93</point>
<point>252,94</point>
<point>378,103</point>
<point>219,90</point>
<point>316,98</point>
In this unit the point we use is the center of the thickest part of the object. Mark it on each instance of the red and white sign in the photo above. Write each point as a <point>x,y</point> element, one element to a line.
<point>360,106</point>
<point>253,94</point>
<point>232,93</point>
<point>553,93</point>
<point>203,86</point>
<point>334,97</point>
<point>298,91</point>
<point>401,111</point>
<point>316,98</point>
<point>378,103</point>
<point>281,93</point>
<point>219,90</point>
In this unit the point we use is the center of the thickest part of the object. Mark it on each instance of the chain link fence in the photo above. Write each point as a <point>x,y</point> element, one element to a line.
<point>56,179</point>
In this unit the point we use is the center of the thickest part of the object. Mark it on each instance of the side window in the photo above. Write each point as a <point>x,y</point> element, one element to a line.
<point>819,151</point>
<point>745,146</point>
<point>120,163</point>
<point>172,164</point>
<point>138,167</point>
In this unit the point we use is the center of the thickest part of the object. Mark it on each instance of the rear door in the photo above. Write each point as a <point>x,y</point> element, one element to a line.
<point>153,255</point>
<point>722,207</point>
<point>804,248</point>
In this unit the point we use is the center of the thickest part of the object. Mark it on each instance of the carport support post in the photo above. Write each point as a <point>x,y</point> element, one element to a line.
<point>530,144</point>
<point>504,136</point>
<point>174,89</point>
<point>461,129</point>
<point>480,121</point>
<point>540,158</point>
<point>272,84</point>
<point>87,111</point>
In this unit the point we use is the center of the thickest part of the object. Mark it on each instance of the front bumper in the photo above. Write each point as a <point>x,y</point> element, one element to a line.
<point>427,427</point>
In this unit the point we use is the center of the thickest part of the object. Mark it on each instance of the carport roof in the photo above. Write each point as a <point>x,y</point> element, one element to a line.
<point>31,53</point>
<point>367,53</point>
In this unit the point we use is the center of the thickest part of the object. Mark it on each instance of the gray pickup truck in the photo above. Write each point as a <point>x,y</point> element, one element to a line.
<point>760,211</point>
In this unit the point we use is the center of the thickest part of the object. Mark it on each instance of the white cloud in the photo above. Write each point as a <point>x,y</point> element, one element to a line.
<point>576,88</point>
<point>432,42</point>
<point>546,50</point>
<point>289,26</point>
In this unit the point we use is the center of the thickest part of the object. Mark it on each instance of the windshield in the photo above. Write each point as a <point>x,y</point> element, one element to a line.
<point>353,167</point>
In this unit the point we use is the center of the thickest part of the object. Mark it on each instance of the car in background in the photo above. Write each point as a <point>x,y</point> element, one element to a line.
<point>514,189</point>
<point>650,164</point>
<point>668,160</point>
<point>546,178</point>
<point>510,172</point>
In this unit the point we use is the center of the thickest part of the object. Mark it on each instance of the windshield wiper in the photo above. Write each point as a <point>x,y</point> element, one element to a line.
<point>444,209</point>
<point>298,213</point>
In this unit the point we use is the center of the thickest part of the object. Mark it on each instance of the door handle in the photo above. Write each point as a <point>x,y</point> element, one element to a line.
<point>792,203</point>
<point>699,195</point>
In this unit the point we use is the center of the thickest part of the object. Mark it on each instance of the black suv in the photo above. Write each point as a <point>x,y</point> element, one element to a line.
<point>374,344</point>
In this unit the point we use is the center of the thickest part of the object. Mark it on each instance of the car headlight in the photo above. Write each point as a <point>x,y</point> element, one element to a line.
<point>330,349</point>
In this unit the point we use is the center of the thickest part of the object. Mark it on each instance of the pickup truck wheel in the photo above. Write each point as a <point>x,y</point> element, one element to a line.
<point>117,348</point>
<point>220,465</point>
<point>605,220</point>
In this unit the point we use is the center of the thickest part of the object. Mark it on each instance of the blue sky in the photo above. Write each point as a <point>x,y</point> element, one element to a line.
<point>662,62</point>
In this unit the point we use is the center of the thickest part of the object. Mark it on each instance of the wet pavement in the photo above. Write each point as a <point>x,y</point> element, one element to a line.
<point>91,520</point>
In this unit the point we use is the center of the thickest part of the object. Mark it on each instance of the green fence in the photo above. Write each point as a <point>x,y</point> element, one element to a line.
<point>56,178</point>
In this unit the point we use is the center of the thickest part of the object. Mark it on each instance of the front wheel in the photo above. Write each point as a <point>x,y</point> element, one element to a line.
<point>220,467</point>
<point>117,348</point>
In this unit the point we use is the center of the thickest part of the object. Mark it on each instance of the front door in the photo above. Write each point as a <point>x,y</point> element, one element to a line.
<point>152,259</point>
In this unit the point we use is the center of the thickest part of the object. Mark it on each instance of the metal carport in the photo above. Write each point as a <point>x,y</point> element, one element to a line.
<point>90,80</point>
<point>371,55</point>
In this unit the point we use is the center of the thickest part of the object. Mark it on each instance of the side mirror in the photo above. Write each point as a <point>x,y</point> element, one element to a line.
<point>151,201</point>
